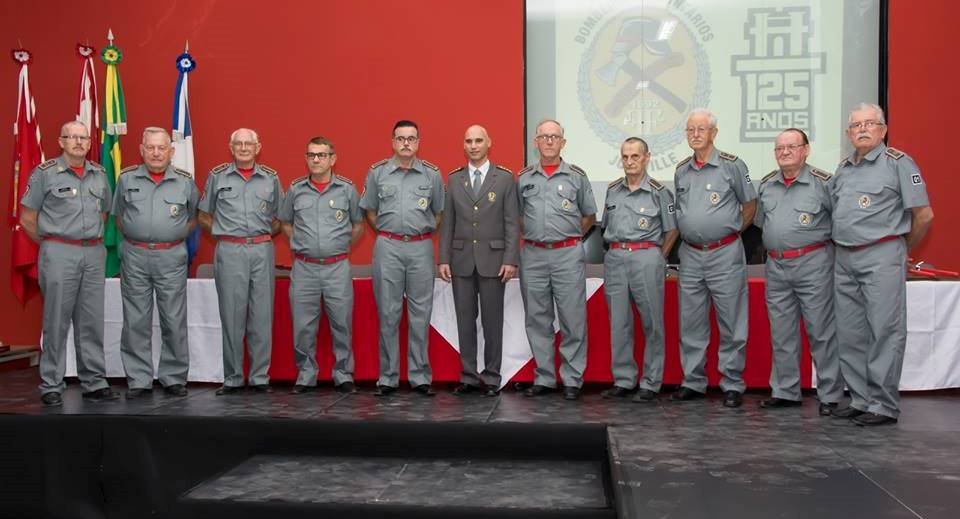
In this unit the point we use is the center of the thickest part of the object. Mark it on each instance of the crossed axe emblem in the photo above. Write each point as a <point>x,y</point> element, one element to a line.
<point>654,37</point>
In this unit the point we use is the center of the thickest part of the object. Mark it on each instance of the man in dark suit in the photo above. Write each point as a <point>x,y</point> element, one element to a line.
<point>479,254</point>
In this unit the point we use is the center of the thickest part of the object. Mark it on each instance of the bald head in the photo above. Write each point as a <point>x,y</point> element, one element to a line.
<point>476,144</point>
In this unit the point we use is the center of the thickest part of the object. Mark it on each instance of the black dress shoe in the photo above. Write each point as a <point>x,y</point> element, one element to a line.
<point>685,393</point>
<point>571,393</point>
<point>52,399</point>
<point>847,412</point>
<point>871,419</point>
<point>827,408</point>
<point>261,388</point>
<point>299,389</point>
<point>228,390</point>
<point>732,399</point>
<point>138,392</point>
<point>464,389</point>
<point>615,392</point>
<point>537,390</point>
<point>491,391</point>
<point>101,395</point>
<point>384,390</point>
<point>645,395</point>
<point>424,389</point>
<point>175,390</point>
<point>347,387</point>
<point>774,403</point>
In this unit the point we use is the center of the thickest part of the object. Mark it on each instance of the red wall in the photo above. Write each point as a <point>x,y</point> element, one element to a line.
<point>349,69</point>
<point>289,69</point>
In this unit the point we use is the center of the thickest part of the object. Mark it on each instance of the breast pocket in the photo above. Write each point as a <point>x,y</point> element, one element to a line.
<point>96,201</point>
<point>869,198</point>
<point>264,200</point>
<point>717,193</point>
<point>337,210</point>
<point>642,217</point>
<point>566,198</point>
<point>421,197</point>
<point>807,213</point>
<point>176,206</point>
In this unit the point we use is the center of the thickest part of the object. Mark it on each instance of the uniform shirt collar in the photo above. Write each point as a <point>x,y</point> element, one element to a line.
<point>484,169</point>
<point>417,165</point>
<point>802,178</point>
<point>870,156</point>
<point>563,167</point>
<point>63,166</point>
<point>334,180</point>
<point>644,184</point>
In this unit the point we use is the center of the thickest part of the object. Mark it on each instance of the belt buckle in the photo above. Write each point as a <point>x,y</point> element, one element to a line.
<point>406,237</point>
<point>248,240</point>
<point>548,245</point>
<point>705,247</point>
<point>152,246</point>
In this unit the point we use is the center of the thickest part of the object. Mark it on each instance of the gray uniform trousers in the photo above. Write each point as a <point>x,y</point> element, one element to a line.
<point>245,282</point>
<point>465,291</point>
<point>143,273</point>
<point>635,277</point>
<point>871,308</point>
<point>403,268</point>
<point>309,283</point>
<point>548,276</point>
<point>804,286</point>
<point>720,275</point>
<point>71,280</point>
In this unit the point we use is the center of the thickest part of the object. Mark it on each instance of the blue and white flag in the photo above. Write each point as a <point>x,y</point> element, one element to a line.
<point>183,134</point>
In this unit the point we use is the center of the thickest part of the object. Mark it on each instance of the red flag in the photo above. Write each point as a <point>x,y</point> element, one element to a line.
<point>88,111</point>
<point>27,154</point>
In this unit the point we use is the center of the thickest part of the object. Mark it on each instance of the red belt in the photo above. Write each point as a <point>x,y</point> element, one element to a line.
<point>155,246</point>
<point>405,237</point>
<point>249,240</point>
<point>554,244</point>
<point>82,243</point>
<point>795,253</point>
<point>871,244</point>
<point>726,240</point>
<point>321,261</point>
<point>632,246</point>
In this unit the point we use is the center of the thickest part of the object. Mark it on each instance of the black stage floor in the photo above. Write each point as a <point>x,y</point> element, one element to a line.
<point>666,460</point>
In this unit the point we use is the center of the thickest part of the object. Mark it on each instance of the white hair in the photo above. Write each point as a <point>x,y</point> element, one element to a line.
<point>554,121</point>
<point>868,106</point>
<point>150,130</point>
<point>711,118</point>
<point>68,124</point>
<point>233,136</point>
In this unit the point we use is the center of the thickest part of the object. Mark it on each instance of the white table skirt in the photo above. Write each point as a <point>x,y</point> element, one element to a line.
<point>931,361</point>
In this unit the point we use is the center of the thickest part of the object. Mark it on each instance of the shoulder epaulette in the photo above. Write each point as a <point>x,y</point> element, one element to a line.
<point>577,169</point>
<point>96,165</point>
<point>894,153</point>
<point>378,164</point>
<point>268,170</point>
<point>819,173</point>
<point>528,169</point>
<point>498,166</point>
<point>461,168</point>
<point>182,172</point>
<point>48,164</point>
<point>770,175</point>
<point>221,168</point>
<point>843,161</point>
<point>654,184</point>
<point>129,169</point>
<point>615,183</point>
<point>726,156</point>
<point>684,161</point>
<point>345,180</point>
<point>300,179</point>
<point>429,165</point>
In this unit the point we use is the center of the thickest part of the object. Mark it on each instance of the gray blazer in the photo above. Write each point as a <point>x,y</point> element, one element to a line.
<point>481,231</point>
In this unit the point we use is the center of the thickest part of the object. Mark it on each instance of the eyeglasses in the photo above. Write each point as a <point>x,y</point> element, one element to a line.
<point>549,137</point>
<point>78,138</point>
<point>790,147</point>
<point>628,158</point>
<point>699,129</point>
<point>244,144</point>
<point>318,155</point>
<point>406,140</point>
<point>867,125</point>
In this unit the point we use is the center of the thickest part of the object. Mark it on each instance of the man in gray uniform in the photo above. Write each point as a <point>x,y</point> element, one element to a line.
<point>403,200</point>
<point>715,202</point>
<point>880,212</point>
<point>479,242</point>
<point>321,218</point>
<point>793,209</point>
<point>155,208</point>
<point>63,209</point>
<point>239,208</point>
<point>640,227</point>
<point>558,207</point>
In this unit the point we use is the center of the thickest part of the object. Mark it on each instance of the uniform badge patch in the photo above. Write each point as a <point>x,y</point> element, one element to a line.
<point>643,209</point>
<point>747,177</point>
<point>339,215</point>
<point>263,207</point>
<point>491,196</point>
<point>73,191</point>
<point>643,223</point>
<point>174,210</point>
<point>916,179</point>
<point>708,186</point>
<point>560,187</point>
<point>331,202</point>
<point>99,205</point>
<point>863,202</point>
<point>422,203</point>
<point>714,198</point>
<point>804,219</point>
<point>565,204</point>
<point>670,208</point>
